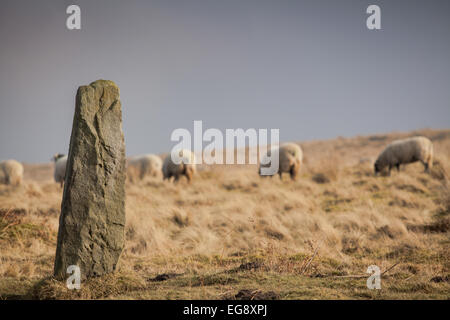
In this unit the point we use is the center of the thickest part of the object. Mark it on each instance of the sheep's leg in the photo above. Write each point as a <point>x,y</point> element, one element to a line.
<point>398,167</point>
<point>293,175</point>
<point>389,172</point>
<point>280,173</point>
<point>430,163</point>
<point>293,172</point>
<point>426,166</point>
<point>62,183</point>
<point>188,173</point>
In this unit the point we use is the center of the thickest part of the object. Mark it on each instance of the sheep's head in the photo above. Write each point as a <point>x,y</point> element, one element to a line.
<point>57,156</point>
<point>377,167</point>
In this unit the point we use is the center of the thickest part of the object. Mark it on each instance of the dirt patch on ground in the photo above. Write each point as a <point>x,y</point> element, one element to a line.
<point>163,277</point>
<point>438,226</point>
<point>254,294</point>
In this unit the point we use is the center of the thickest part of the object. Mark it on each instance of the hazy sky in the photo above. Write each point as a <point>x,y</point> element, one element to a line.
<point>310,68</point>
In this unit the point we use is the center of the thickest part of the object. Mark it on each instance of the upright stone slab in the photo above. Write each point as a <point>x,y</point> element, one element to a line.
<point>92,221</point>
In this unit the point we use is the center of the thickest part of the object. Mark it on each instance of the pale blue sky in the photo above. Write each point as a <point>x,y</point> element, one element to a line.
<point>310,68</point>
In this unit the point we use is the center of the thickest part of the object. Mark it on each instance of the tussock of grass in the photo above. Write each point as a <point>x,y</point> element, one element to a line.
<point>115,284</point>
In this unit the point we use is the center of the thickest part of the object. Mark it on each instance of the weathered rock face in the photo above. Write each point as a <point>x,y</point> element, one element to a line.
<point>91,225</point>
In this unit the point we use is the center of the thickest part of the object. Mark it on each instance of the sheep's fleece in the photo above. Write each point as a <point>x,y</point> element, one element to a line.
<point>146,165</point>
<point>186,167</point>
<point>12,172</point>
<point>59,172</point>
<point>405,151</point>
<point>290,159</point>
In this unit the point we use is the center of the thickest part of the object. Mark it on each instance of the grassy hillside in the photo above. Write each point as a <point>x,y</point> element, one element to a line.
<point>233,235</point>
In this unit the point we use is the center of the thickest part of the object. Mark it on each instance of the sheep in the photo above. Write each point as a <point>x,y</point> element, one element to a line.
<point>59,172</point>
<point>290,157</point>
<point>12,172</point>
<point>145,165</point>
<point>405,151</point>
<point>186,167</point>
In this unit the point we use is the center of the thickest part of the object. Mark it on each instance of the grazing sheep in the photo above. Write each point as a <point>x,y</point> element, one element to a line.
<point>60,168</point>
<point>405,151</point>
<point>290,159</point>
<point>145,165</point>
<point>12,172</point>
<point>186,167</point>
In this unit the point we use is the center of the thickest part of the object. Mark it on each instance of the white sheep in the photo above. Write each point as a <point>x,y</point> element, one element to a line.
<point>59,172</point>
<point>290,159</point>
<point>145,165</point>
<point>186,167</point>
<point>12,171</point>
<point>405,151</point>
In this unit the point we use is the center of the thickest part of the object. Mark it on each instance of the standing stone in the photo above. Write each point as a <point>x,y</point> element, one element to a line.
<point>92,222</point>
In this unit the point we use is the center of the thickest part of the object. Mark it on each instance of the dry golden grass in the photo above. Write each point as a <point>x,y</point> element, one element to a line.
<point>231,230</point>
